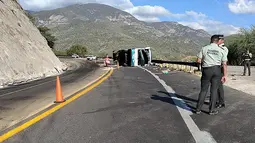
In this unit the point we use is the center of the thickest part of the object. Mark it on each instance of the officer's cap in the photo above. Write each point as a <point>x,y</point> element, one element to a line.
<point>221,36</point>
<point>215,38</point>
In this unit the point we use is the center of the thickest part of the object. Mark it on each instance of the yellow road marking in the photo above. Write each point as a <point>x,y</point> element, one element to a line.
<point>14,131</point>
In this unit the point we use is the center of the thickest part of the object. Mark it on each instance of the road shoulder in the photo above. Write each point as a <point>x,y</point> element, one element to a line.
<point>235,123</point>
<point>15,113</point>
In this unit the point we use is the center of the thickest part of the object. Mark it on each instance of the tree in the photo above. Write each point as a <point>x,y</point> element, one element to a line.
<point>59,52</point>
<point>77,49</point>
<point>239,43</point>
<point>45,33</point>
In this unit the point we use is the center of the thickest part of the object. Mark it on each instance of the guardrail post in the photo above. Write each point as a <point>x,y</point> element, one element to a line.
<point>171,67</point>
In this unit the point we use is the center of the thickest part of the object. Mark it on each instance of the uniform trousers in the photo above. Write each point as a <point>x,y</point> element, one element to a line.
<point>210,75</point>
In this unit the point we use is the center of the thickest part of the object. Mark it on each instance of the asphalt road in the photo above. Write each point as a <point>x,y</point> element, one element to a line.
<point>20,95</point>
<point>134,105</point>
<point>49,82</point>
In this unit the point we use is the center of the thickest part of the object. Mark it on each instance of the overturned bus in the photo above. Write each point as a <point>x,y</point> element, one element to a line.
<point>133,56</point>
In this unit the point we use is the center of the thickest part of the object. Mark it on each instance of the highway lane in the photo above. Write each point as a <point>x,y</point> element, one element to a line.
<point>121,109</point>
<point>133,106</point>
<point>14,100</point>
<point>49,82</point>
<point>68,76</point>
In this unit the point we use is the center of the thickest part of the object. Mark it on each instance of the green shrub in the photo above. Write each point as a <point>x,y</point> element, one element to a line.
<point>239,43</point>
<point>77,49</point>
<point>45,33</point>
<point>59,52</point>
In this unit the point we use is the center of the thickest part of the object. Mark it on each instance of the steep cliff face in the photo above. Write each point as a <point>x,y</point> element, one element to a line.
<point>24,53</point>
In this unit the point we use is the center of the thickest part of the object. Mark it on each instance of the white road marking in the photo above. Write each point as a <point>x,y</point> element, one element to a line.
<point>198,135</point>
<point>158,73</point>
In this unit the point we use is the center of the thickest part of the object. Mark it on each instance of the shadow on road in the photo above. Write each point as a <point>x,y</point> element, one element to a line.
<point>174,99</point>
<point>180,96</point>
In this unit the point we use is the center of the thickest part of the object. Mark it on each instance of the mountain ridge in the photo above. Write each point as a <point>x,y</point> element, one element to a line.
<point>104,28</point>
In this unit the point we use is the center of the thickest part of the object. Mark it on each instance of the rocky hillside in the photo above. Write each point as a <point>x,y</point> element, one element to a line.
<point>24,54</point>
<point>104,29</point>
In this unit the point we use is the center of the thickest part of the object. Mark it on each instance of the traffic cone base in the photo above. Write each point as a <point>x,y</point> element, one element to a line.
<point>59,101</point>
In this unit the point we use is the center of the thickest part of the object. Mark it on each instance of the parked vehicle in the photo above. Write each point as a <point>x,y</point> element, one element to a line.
<point>75,56</point>
<point>91,57</point>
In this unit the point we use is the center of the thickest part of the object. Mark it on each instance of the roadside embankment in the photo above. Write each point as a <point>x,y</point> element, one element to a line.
<point>235,79</point>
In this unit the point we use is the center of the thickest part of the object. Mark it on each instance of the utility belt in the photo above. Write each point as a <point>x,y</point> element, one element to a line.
<point>216,66</point>
<point>211,67</point>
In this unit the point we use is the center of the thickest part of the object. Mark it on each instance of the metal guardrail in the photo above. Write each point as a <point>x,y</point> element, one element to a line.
<point>193,64</point>
<point>190,66</point>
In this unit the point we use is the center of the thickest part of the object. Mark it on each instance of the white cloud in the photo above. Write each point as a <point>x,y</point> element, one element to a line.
<point>195,14</point>
<point>242,6</point>
<point>148,10</point>
<point>201,21</point>
<point>152,13</point>
<point>213,27</point>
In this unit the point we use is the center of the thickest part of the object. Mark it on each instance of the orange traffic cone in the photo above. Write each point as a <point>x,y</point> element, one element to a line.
<point>59,96</point>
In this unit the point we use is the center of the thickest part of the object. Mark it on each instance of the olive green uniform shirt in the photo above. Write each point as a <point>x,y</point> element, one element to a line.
<point>225,49</point>
<point>212,55</point>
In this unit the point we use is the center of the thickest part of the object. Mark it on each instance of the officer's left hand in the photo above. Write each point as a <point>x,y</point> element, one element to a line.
<point>223,79</point>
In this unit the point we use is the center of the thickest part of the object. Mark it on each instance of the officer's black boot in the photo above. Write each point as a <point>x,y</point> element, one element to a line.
<point>220,105</point>
<point>215,112</point>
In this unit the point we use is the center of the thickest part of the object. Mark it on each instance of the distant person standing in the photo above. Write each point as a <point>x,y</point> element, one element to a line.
<point>247,62</point>
<point>211,57</point>
<point>107,61</point>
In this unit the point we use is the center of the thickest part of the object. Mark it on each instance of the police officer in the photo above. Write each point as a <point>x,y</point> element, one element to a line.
<point>211,57</point>
<point>221,102</point>
<point>247,62</point>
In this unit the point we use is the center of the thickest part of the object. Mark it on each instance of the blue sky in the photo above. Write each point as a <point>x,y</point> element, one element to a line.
<point>214,16</point>
<point>215,9</point>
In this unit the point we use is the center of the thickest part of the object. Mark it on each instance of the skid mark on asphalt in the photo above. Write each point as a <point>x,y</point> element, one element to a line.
<point>185,111</point>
